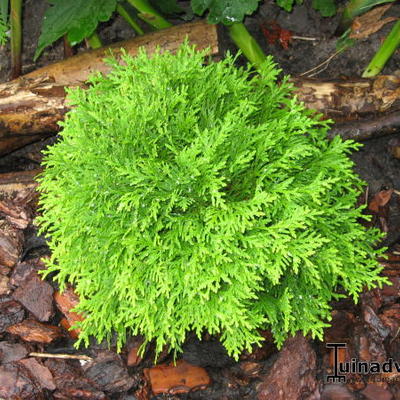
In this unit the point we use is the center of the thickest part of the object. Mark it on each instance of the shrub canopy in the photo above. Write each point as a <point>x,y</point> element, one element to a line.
<point>191,197</point>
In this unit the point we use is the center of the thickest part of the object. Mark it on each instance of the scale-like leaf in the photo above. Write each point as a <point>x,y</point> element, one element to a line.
<point>76,18</point>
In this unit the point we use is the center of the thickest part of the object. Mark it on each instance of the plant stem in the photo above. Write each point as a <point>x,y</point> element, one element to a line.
<point>16,38</point>
<point>355,8</point>
<point>148,14</point>
<point>243,39</point>
<point>387,48</point>
<point>129,19</point>
<point>94,41</point>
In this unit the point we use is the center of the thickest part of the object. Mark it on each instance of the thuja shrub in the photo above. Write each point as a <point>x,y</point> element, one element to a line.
<point>191,196</point>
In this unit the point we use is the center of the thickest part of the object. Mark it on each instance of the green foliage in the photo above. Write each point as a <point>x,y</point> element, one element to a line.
<point>186,196</point>
<point>327,8</point>
<point>4,27</point>
<point>229,11</point>
<point>224,11</point>
<point>75,18</point>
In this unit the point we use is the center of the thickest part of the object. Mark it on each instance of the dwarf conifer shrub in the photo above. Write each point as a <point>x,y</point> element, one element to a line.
<point>191,197</point>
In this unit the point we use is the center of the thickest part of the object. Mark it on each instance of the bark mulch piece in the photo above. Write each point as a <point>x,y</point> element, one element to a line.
<point>375,392</point>
<point>336,392</point>
<point>24,271</point>
<point>293,373</point>
<point>11,241</point>
<point>18,209</point>
<point>11,313</point>
<point>179,378</point>
<point>4,285</point>
<point>65,302</point>
<point>17,382</point>
<point>108,372</point>
<point>36,295</point>
<point>30,330</point>
<point>41,373</point>
<point>12,352</point>
<point>70,383</point>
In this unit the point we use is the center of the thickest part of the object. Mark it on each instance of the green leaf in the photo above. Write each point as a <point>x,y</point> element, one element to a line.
<point>327,8</point>
<point>4,10</point>
<point>167,7</point>
<point>287,5</point>
<point>225,11</point>
<point>76,18</point>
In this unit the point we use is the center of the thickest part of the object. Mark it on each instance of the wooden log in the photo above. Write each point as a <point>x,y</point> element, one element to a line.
<point>32,105</point>
<point>350,100</point>
<point>11,182</point>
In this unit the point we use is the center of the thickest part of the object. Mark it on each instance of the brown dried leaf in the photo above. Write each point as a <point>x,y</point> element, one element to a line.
<point>380,200</point>
<point>370,22</point>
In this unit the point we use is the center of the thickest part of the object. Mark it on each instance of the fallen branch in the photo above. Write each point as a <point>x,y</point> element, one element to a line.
<point>17,181</point>
<point>368,128</point>
<point>350,100</point>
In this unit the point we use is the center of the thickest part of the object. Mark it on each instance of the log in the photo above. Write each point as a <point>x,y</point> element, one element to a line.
<point>350,99</point>
<point>32,105</point>
<point>11,182</point>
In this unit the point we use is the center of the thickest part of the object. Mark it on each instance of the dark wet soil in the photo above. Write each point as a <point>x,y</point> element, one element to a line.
<point>34,317</point>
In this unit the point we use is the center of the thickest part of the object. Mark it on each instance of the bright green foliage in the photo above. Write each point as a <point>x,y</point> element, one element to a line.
<point>75,18</point>
<point>185,196</point>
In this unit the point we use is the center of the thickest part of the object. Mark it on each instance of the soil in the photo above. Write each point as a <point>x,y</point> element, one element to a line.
<point>34,315</point>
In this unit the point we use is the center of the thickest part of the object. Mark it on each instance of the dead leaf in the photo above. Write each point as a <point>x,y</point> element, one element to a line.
<point>370,22</point>
<point>380,200</point>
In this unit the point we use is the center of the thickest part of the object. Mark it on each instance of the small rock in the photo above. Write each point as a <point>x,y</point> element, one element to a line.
<point>11,352</point>
<point>336,392</point>
<point>41,373</point>
<point>11,313</point>
<point>16,382</point>
<point>108,372</point>
<point>293,374</point>
<point>34,331</point>
<point>179,378</point>
<point>36,296</point>
<point>374,392</point>
<point>11,240</point>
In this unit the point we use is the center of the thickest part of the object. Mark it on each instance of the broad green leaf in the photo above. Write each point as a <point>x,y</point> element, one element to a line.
<point>287,5</point>
<point>167,6</point>
<point>327,8</point>
<point>76,18</point>
<point>225,11</point>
